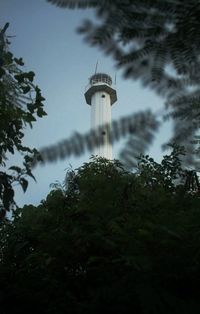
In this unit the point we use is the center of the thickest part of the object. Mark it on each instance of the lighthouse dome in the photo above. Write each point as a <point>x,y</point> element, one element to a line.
<point>100,78</point>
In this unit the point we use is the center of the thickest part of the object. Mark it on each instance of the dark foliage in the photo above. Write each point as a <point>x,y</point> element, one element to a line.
<point>20,104</point>
<point>109,241</point>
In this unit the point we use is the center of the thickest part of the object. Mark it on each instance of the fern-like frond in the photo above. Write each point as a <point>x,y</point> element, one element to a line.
<point>158,34</point>
<point>138,142</point>
<point>73,4</point>
<point>159,62</point>
<point>138,54</point>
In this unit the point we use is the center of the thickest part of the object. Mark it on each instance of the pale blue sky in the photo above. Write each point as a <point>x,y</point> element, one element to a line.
<point>63,62</point>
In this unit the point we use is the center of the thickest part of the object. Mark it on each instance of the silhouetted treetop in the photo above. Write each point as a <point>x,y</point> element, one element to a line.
<point>107,241</point>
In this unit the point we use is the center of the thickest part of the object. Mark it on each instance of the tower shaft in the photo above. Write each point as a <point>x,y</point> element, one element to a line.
<point>100,95</point>
<point>101,116</point>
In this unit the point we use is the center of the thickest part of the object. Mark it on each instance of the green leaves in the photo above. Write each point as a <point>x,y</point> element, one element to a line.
<point>26,89</point>
<point>6,192</point>
<point>25,77</point>
<point>24,184</point>
<point>106,241</point>
<point>39,97</point>
<point>21,102</point>
<point>19,61</point>
<point>15,168</point>
<point>30,75</point>
<point>166,173</point>
<point>41,112</point>
<point>29,118</point>
<point>8,58</point>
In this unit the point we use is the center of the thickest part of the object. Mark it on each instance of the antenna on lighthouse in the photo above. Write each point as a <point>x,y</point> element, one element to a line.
<point>115,78</point>
<point>101,95</point>
<point>96,67</point>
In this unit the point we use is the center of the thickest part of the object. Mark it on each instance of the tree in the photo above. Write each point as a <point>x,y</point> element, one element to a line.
<point>156,42</point>
<point>107,241</point>
<point>20,103</point>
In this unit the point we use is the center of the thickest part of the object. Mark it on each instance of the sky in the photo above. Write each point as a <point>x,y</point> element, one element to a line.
<point>45,37</point>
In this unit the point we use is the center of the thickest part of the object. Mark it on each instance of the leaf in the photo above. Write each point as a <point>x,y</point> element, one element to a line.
<point>29,117</point>
<point>24,184</point>
<point>26,89</point>
<point>2,72</point>
<point>39,97</point>
<point>8,195</point>
<point>15,168</point>
<point>19,78</point>
<point>30,107</point>
<point>41,112</point>
<point>8,57</point>
<point>29,173</point>
<point>19,61</point>
<point>20,246</point>
<point>11,149</point>
<point>3,30</point>
<point>24,148</point>
<point>30,75</point>
<point>28,159</point>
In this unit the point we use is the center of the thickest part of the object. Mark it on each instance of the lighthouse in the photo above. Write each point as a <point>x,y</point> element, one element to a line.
<point>100,95</point>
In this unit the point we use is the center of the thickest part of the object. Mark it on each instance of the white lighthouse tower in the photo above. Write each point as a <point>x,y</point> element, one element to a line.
<point>101,96</point>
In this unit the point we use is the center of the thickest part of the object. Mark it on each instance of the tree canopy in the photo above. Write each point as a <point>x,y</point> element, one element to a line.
<point>21,102</point>
<point>107,241</point>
